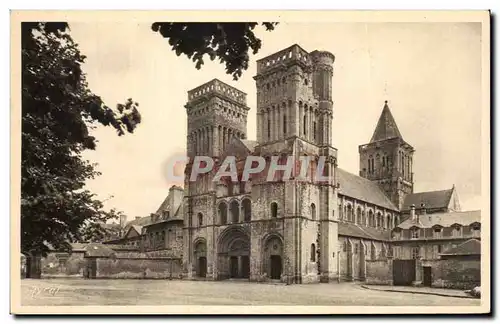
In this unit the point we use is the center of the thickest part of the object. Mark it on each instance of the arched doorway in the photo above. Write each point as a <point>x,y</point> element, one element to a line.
<point>234,254</point>
<point>273,257</point>
<point>200,252</point>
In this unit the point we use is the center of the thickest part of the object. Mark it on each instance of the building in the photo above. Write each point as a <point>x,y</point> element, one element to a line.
<point>351,227</point>
<point>161,231</point>
<point>296,232</point>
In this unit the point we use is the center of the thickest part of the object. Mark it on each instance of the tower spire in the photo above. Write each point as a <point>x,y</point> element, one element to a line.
<point>386,126</point>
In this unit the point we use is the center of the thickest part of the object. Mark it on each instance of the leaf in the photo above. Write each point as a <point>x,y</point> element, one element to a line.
<point>58,109</point>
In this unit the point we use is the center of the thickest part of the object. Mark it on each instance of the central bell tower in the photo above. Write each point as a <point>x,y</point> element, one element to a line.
<point>388,159</point>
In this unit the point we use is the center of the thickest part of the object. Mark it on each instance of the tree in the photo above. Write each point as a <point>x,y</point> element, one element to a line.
<point>229,42</point>
<point>58,110</point>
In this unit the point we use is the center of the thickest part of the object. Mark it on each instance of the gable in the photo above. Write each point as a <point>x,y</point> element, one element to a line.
<point>133,231</point>
<point>454,203</point>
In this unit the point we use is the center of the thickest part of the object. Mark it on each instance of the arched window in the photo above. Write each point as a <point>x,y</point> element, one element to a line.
<point>274,210</point>
<point>358,216</point>
<point>284,124</point>
<point>305,124</point>
<point>235,211</point>
<point>247,209</point>
<point>373,254</point>
<point>223,213</point>
<point>268,129</point>
<point>200,219</point>
<point>313,253</point>
<point>379,220</point>
<point>313,211</point>
<point>371,218</point>
<point>349,213</point>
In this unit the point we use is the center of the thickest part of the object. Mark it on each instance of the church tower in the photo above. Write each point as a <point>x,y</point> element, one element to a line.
<point>216,113</point>
<point>294,118</point>
<point>388,159</point>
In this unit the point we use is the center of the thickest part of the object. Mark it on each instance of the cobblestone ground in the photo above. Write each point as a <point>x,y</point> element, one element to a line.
<point>59,292</point>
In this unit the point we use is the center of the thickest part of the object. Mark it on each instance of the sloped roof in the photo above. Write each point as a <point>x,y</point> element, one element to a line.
<point>140,222</point>
<point>443,219</point>
<point>431,199</point>
<point>164,206</point>
<point>136,228</point>
<point>110,225</point>
<point>386,126</point>
<point>355,230</point>
<point>180,211</point>
<point>362,189</point>
<point>470,247</point>
<point>250,145</point>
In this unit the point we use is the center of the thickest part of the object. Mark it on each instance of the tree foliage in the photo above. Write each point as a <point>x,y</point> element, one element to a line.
<point>58,110</point>
<point>229,42</point>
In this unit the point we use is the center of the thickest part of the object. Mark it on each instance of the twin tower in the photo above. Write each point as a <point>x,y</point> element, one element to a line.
<point>294,99</point>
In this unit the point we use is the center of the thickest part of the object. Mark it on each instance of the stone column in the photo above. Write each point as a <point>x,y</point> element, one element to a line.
<point>215,141</point>
<point>264,125</point>
<point>259,126</point>
<point>310,122</point>
<point>280,121</point>
<point>273,123</point>
<point>301,121</point>
<point>224,138</point>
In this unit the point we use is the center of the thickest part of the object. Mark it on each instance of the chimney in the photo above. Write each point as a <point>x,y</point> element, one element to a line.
<point>412,212</point>
<point>175,196</point>
<point>123,220</point>
<point>422,208</point>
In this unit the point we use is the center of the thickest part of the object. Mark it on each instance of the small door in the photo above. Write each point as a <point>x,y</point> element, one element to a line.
<point>202,267</point>
<point>245,266</point>
<point>275,267</point>
<point>92,268</point>
<point>427,276</point>
<point>233,264</point>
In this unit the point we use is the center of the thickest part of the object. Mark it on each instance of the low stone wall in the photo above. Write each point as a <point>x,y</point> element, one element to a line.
<point>135,268</point>
<point>379,272</point>
<point>450,273</point>
<point>74,265</point>
<point>454,273</point>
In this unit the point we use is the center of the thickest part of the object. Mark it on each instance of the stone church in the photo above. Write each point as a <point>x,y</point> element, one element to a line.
<point>293,231</point>
<point>369,227</point>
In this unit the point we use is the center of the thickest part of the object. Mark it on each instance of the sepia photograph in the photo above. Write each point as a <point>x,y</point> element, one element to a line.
<point>265,162</point>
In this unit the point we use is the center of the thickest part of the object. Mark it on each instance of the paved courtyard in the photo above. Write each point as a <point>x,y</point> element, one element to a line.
<point>59,292</point>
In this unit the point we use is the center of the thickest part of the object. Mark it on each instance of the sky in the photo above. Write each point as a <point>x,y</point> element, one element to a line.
<point>430,73</point>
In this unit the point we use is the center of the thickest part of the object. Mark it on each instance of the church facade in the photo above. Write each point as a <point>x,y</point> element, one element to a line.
<point>288,230</point>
